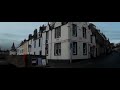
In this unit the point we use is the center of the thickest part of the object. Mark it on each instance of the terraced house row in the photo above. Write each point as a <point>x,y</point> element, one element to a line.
<point>65,41</point>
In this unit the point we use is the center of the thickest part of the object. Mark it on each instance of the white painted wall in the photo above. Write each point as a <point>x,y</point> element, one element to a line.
<point>13,53</point>
<point>65,42</point>
<point>64,51</point>
<point>37,49</point>
<point>30,43</point>
<point>80,40</point>
<point>43,43</point>
<point>65,39</point>
<point>20,51</point>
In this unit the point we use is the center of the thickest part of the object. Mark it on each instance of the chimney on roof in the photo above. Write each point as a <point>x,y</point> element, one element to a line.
<point>30,36</point>
<point>35,34</point>
<point>24,40</point>
<point>42,28</point>
<point>99,30</point>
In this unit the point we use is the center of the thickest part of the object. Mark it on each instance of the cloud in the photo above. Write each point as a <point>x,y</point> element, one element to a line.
<point>16,32</point>
<point>110,29</point>
<point>11,35</point>
<point>7,43</point>
<point>115,41</point>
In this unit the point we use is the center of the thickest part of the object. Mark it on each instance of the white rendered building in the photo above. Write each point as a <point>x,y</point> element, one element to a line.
<point>67,41</point>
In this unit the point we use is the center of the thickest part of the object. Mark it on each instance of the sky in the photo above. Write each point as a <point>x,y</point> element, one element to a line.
<point>110,29</point>
<point>17,31</point>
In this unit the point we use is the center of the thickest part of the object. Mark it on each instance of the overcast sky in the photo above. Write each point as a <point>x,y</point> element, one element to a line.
<point>17,31</point>
<point>110,29</point>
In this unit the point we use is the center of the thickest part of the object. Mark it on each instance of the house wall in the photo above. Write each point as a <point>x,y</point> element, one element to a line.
<point>20,50</point>
<point>51,41</point>
<point>80,40</point>
<point>13,52</point>
<point>25,48</point>
<point>37,49</point>
<point>65,40</point>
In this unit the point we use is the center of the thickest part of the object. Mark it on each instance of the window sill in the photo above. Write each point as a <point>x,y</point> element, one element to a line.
<point>57,55</point>
<point>57,37</point>
<point>74,35</point>
<point>74,54</point>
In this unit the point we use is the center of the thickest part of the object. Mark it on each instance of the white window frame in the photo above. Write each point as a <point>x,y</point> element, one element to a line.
<point>58,32</point>
<point>85,49</point>
<point>84,32</point>
<point>57,49</point>
<point>74,45</point>
<point>39,42</point>
<point>74,30</point>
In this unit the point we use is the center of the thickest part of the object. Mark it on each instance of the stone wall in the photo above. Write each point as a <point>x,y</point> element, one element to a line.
<point>18,60</point>
<point>15,60</point>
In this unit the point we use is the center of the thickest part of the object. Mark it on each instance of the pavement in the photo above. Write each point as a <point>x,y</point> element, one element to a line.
<point>109,61</point>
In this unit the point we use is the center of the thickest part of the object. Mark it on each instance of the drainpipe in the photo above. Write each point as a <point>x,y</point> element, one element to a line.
<point>70,42</point>
<point>51,44</point>
<point>70,52</point>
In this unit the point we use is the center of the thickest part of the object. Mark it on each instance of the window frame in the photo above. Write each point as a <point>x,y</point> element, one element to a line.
<point>58,32</point>
<point>85,49</point>
<point>57,49</point>
<point>39,42</point>
<point>74,30</point>
<point>84,32</point>
<point>40,52</point>
<point>74,43</point>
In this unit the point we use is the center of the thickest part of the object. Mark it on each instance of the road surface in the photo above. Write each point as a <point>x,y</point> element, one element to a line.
<point>109,61</point>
